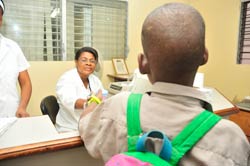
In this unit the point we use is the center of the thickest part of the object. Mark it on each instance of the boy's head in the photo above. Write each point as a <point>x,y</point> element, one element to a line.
<point>173,40</point>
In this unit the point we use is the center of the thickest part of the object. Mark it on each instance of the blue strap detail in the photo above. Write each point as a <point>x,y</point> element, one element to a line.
<point>166,149</point>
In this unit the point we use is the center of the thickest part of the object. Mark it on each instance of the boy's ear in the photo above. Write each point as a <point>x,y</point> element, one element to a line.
<point>143,64</point>
<point>205,57</point>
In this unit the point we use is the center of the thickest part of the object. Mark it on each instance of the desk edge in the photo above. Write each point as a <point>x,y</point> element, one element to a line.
<point>40,147</point>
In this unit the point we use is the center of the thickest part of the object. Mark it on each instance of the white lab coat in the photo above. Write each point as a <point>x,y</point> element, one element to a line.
<point>12,61</point>
<point>69,88</point>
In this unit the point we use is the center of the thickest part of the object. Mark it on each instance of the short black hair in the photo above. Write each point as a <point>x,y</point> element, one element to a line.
<point>86,49</point>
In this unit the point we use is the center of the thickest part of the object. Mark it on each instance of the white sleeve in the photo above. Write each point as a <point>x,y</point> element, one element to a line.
<point>66,92</point>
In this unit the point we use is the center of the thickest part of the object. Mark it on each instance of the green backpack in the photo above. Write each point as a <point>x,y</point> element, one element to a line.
<point>171,152</point>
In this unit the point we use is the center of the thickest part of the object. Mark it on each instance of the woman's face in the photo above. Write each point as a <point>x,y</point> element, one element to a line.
<point>85,64</point>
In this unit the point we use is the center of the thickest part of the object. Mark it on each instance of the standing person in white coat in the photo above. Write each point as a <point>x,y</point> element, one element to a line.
<point>74,87</point>
<point>13,68</point>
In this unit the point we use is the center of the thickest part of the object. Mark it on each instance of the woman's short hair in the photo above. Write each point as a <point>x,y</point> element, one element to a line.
<point>86,49</point>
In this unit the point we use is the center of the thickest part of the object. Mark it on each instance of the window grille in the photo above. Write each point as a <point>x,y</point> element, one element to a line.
<point>243,56</point>
<point>37,26</point>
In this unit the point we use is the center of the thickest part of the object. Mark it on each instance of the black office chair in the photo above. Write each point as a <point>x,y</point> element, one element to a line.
<point>50,107</point>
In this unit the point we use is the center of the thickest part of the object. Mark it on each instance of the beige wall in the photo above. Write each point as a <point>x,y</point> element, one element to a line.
<point>221,72</point>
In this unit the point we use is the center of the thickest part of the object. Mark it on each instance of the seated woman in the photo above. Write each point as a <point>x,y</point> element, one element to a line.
<point>74,87</point>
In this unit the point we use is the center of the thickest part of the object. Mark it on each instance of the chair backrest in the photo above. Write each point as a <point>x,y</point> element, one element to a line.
<point>50,107</point>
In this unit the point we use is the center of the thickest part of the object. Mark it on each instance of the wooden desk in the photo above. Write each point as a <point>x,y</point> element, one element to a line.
<point>34,135</point>
<point>76,156</point>
<point>46,146</point>
<point>29,130</point>
<point>120,77</point>
<point>243,120</point>
<point>59,143</point>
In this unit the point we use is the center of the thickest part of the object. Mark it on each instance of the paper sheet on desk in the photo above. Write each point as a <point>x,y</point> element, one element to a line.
<point>218,101</point>
<point>6,123</point>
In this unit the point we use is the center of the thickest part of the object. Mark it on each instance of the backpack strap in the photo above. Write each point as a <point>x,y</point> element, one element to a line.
<point>182,143</point>
<point>191,134</point>
<point>134,130</point>
<point>133,120</point>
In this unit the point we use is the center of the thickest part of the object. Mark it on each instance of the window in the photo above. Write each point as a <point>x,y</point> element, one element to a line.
<point>243,56</point>
<point>52,30</point>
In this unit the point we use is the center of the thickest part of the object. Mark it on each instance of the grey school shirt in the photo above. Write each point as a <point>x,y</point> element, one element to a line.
<point>169,108</point>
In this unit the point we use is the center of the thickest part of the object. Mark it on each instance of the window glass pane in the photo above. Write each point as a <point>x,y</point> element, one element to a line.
<point>36,25</point>
<point>29,24</point>
<point>101,24</point>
